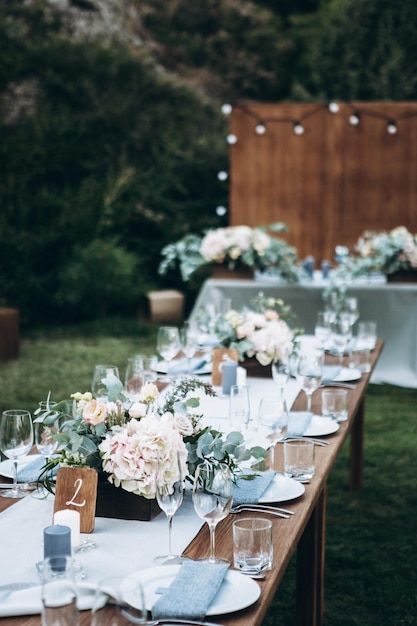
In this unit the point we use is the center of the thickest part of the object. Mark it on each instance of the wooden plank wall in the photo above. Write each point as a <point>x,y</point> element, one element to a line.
<point>330,183</point>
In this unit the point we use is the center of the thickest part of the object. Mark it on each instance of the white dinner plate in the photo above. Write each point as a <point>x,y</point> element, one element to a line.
<point>6,467</point>
<point>282,489</point>
<point>237,591</point>
<point>162,368</point>
<point>347,374</point>
<point>321,426</point>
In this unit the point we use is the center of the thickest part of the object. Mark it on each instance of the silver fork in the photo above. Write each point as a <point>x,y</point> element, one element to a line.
<point>255,509</point>
<point>258,505</point>
<point>318,442</point>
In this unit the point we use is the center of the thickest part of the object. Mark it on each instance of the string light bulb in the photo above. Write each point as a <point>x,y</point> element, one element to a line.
<point>226,109</point>
<point>392,128</point>
<point>221,211</point>
<point>260,128</point>
<point>231,139</point>
<point>298,128</point>
<point>354,119</point>
<point>222,175</point>
<point>334,107</point>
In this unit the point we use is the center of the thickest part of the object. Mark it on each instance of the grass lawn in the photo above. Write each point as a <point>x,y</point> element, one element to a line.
<point>371,576</point>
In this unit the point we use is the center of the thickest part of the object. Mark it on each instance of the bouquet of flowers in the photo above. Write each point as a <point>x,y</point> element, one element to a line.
<point>387,252</point>
<point>123,441</point>
<point>234,246</point>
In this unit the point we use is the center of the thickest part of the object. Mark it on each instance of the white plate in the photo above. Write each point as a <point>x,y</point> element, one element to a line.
<point>237,591</point>
<point>346,374</point>
<point>282,489</point>
<point>162,368</point>
<point>6,467</point>
<point>320,426</point>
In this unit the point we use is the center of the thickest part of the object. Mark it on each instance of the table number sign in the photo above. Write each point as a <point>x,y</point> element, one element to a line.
<point>76,489</point>
<point>219,357</point>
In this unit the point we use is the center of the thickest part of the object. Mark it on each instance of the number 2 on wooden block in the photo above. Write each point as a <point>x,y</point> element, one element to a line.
<point>76,489</point>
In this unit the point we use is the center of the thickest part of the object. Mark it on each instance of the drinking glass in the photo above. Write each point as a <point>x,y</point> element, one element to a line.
<point>341,336</point>
<point>272,422</point>
<point>212,498</point>
<point>169,498</point>
<point>189,341</point>
<point>168,344</point>
<point>16,440</point>
<point>118,602</point>
<point>310,372</point>
<point>322,329</point>
<point>351,308</point>
<point>239,407</point>
<point>59,592</point>
<point>149,367</point>
<point>281,373</point>
<point>134,378</point>
<point>102,378</point>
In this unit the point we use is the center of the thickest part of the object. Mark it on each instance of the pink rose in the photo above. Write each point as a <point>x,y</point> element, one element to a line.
<point>95,412</point>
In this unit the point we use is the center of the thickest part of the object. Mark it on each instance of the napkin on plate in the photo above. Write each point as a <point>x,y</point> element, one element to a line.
<point>250,491</point>
<point>28,601</point>
<point>298,423</point>
<point>181,366</point>
<point>30,473</point>
<point>191,593</point>
<point>330,372</point>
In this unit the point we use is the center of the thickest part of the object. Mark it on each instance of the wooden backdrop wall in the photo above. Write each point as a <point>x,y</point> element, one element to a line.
<point>330,183</point>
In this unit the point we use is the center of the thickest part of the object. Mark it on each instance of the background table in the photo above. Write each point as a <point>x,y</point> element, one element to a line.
<point>392,306</point>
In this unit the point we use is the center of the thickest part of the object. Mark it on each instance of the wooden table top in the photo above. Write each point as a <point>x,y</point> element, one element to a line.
<point>286,532</point>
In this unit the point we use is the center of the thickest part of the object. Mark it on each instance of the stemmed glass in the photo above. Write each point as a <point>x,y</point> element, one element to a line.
<point>239,407</point>
<point>169,498</point>
<point>281,373</point>
<point>102,378</point>
<point>16,440</point>
<point>168,344</point>
<point>212,498</point>
<point>341,336</point>
<point>322,329</point>
<point>134,378</point>
<point>272,422</point>
<point>351,309</point>
<point>310,373</point>
<point>189,341</point>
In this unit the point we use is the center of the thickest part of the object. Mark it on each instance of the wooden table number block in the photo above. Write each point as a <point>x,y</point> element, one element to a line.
<point>219,356</point>
<point>76,489</point>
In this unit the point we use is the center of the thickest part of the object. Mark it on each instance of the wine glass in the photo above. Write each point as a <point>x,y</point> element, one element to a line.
<point>16,440</point>
<point>212,498</point>
<point>169,497</point>
<point>310,372</point>
<point>189,341</point>
<point>322,329</point>
<point>281,373</point>
<point>102,378</point>
<point>351,308</point>
<point>134,378</point>
<point>239,407</point>
<point>272,422</point>
<point>341,336</point>
<point>118,602</point>
<point>168,344</point>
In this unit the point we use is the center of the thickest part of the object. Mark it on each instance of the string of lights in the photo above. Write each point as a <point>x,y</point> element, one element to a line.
<point>357,114</point>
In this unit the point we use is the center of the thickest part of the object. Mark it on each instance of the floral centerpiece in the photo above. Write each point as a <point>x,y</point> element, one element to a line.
<point>123,441</point>
<point>235,247</point>
<point>387,252</point>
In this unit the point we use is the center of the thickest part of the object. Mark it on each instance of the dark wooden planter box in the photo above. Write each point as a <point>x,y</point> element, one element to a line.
<point>120,504</point>
<point>255,369</point>
<point>222,271</point>
<point>402,276</point>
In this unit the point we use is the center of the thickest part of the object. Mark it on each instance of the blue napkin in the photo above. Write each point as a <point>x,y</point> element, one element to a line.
<point>30,473</point>
<point>181,366</point>
<point>191,593</point>
<point>298,423</point>
<point>330,372</point>
<point>249,491</point>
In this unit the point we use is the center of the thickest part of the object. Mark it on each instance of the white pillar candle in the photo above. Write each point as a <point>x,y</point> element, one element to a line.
<point>70,518</point>
<point>241,376</point>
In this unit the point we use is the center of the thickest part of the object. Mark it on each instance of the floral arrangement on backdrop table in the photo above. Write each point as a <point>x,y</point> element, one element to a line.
<point>387,252</point>
<point>235,247</point>
<point>124,440</point>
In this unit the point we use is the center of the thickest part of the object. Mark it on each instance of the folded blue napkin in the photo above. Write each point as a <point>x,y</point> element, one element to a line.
<point>330,372</point>
<point>181,366</point>
<point>298,423</point>
<point>191,593</point>
<point>30,473</point>
<point>249,491</point>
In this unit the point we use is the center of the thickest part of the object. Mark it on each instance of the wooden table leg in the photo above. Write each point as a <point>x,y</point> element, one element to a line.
<point>356,449</point>
<point>310,567</point>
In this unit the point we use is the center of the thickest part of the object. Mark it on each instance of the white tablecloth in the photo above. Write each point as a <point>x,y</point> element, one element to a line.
<point>392,306</point>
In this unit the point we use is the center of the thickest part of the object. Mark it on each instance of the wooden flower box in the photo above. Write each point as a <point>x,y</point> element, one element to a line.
<point>255,369</point>
<point>117,503</point>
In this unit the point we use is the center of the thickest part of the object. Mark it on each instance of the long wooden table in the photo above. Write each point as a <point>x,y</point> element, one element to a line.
<point>304,532</point>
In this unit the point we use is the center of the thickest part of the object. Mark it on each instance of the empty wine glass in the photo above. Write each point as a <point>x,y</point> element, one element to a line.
<point>351,309</point>
<point>134,378</point>
<point>310,372</point>
<point>103,378</point>
<point>341,336</point>
<point>16,440</point>
<point>212,498</point>
<point>169,496</point>
<point>118,602</point>
<point>281,373</point>
<point>322,329</point>
<point>272,422</point>
<point>239,407</point>
<point>168,344</point>
<point>149,366</point>
<point>189,341</point>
